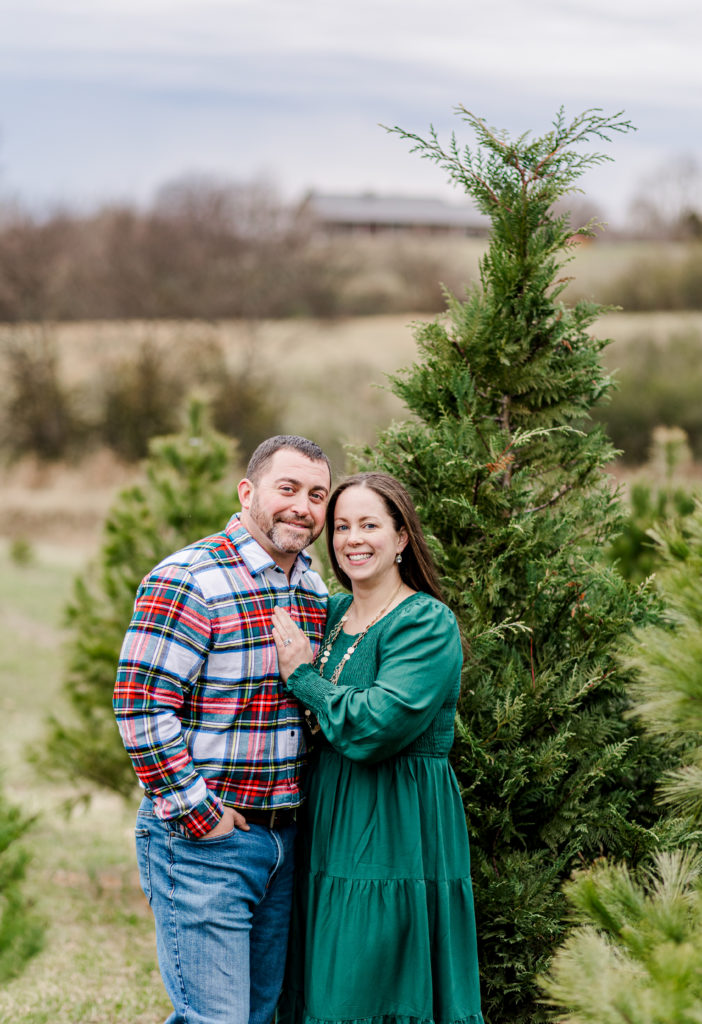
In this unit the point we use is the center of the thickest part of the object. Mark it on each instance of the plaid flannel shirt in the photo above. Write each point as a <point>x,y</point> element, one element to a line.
<point>199,702</point>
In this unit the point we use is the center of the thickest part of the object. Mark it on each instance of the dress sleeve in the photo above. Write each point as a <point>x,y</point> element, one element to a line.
<point>419,662</point>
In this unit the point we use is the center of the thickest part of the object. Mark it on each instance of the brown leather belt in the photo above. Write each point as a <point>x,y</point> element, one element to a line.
<point>269,819</point>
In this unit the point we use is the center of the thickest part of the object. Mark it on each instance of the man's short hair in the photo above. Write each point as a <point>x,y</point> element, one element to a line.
<point>267,449</point>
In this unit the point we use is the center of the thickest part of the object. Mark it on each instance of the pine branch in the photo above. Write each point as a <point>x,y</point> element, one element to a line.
<point>552,501</point>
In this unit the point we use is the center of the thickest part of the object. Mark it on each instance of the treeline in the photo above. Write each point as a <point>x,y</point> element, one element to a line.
<point>217,250</point>
<point>201,249</point>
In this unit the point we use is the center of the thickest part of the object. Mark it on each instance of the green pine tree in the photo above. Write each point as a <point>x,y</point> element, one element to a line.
<point>510,484</point>
<point>635,955</point>
<point>663,491</point>
<point>21,932</point>
<point>188,493</point>
<point>666,658</point>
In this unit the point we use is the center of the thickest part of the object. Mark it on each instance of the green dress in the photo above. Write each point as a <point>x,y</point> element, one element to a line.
<point>383,923</point>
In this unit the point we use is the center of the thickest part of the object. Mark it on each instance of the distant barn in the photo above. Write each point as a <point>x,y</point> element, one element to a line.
<point>375,214</point>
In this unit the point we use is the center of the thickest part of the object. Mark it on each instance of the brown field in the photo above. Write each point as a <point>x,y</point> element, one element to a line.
<point>330,378</point>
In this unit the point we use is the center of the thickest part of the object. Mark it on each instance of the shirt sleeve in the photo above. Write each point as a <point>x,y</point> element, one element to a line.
<point>420,660</point>
<point>162,655</point>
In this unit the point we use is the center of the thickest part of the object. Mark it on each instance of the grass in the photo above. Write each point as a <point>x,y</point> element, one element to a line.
<point>98,964</point>
<point>99,961</point>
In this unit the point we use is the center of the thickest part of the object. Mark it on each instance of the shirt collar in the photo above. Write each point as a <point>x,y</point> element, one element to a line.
<point>257,559</point>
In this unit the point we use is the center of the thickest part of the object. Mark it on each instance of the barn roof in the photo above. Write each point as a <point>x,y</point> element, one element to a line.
<point>394,211</point>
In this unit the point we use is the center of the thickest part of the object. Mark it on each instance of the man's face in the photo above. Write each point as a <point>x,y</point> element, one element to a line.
<point>284,508</point>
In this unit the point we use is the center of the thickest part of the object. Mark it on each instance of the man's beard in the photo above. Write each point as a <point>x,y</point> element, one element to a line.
<point>281,537</point>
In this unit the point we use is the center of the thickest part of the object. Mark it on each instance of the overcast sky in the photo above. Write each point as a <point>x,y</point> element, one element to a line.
<point>108,99</point>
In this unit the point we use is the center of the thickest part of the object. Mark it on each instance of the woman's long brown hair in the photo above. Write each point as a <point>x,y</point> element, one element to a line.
<point>417,568</point>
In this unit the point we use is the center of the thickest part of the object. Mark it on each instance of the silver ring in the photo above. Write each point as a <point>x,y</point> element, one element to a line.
<point>287,641</point>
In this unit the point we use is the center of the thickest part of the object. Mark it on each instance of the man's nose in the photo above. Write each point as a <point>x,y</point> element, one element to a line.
<point>301,505</point>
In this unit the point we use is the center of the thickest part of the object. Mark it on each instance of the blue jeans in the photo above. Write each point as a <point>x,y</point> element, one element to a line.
<point>222,913</point>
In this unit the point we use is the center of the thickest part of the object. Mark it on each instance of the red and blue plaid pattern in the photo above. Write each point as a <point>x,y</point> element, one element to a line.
<point>199,703</point>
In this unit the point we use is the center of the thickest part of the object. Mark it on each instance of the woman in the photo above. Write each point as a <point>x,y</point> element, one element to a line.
<point>384,926</point>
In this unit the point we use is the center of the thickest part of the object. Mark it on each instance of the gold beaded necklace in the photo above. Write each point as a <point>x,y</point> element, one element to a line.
<point>323,654</point>
<point>326,649</point>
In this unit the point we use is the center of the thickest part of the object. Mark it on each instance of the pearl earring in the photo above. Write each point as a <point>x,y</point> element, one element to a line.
<point>399,558</point>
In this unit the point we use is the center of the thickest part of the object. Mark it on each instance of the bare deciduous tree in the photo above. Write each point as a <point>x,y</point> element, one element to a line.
<point>669,201</point>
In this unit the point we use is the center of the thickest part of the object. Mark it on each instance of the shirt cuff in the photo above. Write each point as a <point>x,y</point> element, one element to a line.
<point>203,818</point>
<point>309,687</point>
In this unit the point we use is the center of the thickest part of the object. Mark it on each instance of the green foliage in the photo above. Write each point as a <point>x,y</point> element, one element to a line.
<point>635,955</point>
<point>242,401</point>
<point>142,399</point>
<point>243,407</point>
<point>186,495</point>
<point>135,397</point>
<point>634,551</point>
<point>37,414</point>
<point>517,506</point>
<point>21,932</point>
<point>667,660</point>
<point>658,383</point>
<point>21,551</point>
<point>657,497</point>
<point>142,396</point>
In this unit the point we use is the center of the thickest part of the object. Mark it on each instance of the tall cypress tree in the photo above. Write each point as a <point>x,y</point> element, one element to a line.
<point>510,483</point>
<point>186,494</point>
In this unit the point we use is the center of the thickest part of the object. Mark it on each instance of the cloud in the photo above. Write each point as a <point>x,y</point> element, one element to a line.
<point>122,93</point>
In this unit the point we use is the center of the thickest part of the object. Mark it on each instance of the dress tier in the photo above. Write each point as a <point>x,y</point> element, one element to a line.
<point>383,924</point>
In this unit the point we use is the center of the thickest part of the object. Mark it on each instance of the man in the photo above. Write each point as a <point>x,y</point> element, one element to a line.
<point>217,743</point>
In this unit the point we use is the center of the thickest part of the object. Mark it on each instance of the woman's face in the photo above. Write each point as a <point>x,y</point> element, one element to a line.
<point>366,542</point>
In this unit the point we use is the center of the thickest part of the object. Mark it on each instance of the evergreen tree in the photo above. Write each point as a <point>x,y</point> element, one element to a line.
<point>663,492</point>
<point>635,956</point>
<point>21,933</point>
<point>187,494</point>
<point>517,505</point>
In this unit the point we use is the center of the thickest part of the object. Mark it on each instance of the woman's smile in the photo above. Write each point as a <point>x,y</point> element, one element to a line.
<point>366,540</point>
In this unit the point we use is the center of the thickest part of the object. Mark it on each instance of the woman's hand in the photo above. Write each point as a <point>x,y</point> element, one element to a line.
<point>291,643</point>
